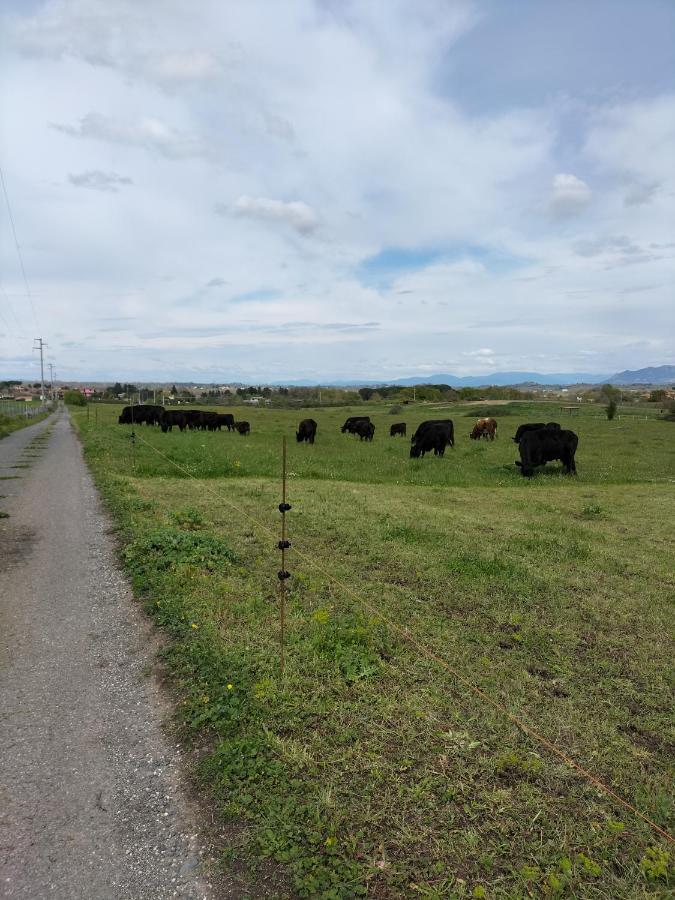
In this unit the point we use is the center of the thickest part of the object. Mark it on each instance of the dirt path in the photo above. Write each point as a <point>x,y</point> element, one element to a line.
<point>91,800</point>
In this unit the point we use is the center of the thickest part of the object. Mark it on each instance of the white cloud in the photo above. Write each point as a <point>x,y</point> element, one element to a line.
<point>342,122</point>
<point>569,196</point>
<point>295,213</point>
<point>149,133</point>
<point>99,181</point>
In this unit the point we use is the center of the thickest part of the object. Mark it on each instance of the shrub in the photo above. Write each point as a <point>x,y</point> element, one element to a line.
<point>395,409</point>
<point>74,398</point>
<point>611,409</point>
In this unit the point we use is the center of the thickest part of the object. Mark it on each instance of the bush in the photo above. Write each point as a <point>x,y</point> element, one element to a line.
<point>395,409</point>
<point>74,398</point>
<point>611,409</point>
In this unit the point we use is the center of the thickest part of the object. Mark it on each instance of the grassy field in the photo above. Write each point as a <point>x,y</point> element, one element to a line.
<point>369,768</point>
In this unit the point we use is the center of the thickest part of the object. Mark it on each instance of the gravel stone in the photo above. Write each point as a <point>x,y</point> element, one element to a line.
<point>92,801</point>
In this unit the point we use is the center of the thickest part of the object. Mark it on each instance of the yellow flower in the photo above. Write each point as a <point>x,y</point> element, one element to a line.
<point>237,464</point>
<point>205,698</point>
<point>230,686</point>
<point>194,625</point>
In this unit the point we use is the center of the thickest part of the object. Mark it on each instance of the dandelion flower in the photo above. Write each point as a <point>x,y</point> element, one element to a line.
<point>230,686</point>
<point>194,625</point>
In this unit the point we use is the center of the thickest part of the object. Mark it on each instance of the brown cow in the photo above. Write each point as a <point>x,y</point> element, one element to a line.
<point>484,428</point>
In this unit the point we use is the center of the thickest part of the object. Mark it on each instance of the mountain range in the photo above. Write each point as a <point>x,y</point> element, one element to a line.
<point>649,375</point>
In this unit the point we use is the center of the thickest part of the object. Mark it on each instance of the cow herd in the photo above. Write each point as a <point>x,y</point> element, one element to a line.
<point>538,442</point>
<point>192,419</point>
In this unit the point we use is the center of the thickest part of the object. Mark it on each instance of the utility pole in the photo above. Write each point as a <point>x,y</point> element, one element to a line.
<point>51,378</point>
<point>41,346</point>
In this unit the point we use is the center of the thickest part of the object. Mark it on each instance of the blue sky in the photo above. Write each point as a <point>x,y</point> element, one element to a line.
<point>320,190</point>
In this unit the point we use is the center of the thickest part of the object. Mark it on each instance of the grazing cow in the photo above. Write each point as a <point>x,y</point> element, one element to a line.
<point>484,428</point>
<point>141,412</point>
<point>306,431</point>
<point>436,436</point>
<point>351,422</point>
<point>242,427</point>
<point>544,445</point>
<point>429,424</point>
<point>171,417</point>
<point>397,428</point>
<point>533,426</point>
<point>226,420</point>
<point>365,430</point>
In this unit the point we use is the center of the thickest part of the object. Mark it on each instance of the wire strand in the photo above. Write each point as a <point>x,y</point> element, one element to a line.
<point>18,248</point>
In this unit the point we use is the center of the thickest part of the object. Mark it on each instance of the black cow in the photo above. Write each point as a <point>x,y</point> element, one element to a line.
<point>533,426</point>
<point>171,417</point>
<point>544,445</point>
<point>306,431</point>
<point>243,427</point>
<point>141,412</point>
<point>429,424</point>
<point>226,420</point>
<point>397,428</point>
<point>436,436</point>
<point>351,422</point>
<point>194,419</point>
<point>365,430</point>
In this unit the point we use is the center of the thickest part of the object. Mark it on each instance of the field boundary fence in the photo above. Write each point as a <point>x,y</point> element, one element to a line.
<point>430,654</point>
<point>13,408</point>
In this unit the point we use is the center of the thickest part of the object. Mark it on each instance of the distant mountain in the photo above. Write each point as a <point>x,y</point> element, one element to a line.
<point>650,375</point>
<point>502,379</point>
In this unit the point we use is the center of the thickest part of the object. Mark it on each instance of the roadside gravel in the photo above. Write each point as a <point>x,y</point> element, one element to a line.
<point>92,797</point>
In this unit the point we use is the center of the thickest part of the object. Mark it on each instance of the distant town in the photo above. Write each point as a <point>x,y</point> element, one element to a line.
<point>272,395</point>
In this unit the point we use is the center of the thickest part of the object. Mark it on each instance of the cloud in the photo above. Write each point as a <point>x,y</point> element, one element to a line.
<point>569,196</point>
<point>295,213</point>
<point>597,246</point>
<point>96,180</point>
<point>216,282</point>
<point>149,133</point>
<point>192,66</point>
<point>641,194</point>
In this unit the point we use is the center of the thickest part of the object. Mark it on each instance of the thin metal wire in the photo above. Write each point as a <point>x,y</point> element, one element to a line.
<point>432,655</point>
<point>18,247</point>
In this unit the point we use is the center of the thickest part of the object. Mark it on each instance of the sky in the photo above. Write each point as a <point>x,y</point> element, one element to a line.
<point>245,190</point>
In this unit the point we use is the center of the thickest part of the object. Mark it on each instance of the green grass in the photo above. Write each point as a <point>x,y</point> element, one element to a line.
<point>9,424</point>
<point>368,769</point>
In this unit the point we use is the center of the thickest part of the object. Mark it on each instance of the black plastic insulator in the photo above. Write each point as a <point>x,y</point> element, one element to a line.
<point>284,507</point>
<point>284,545</point>
<point>282,574</point>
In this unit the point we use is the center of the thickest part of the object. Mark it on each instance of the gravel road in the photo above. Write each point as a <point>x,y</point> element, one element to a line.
<point>92,800</point>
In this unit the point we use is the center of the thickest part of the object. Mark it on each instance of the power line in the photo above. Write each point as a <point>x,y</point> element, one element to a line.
<point>18,248</point>
<point>11,309</point>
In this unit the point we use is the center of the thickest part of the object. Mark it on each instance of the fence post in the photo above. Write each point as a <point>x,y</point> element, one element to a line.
<point>283,545</point>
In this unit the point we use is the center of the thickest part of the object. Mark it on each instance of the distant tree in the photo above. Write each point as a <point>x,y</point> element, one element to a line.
<point>612,395</point>
<point>174,390</point>
<point>365,393</point>
<point>74,398</point>
<point>657,396</point>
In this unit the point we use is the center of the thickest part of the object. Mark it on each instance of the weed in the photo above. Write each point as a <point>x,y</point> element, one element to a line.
<point>592,511</point>
<point>189,518</point>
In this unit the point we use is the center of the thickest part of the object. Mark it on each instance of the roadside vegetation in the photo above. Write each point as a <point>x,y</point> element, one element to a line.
<point>368,769</point>
<point>9,424</point>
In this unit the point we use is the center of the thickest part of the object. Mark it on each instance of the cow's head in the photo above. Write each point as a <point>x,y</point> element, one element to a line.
<point>415,451</point>
<point>297,436</point>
